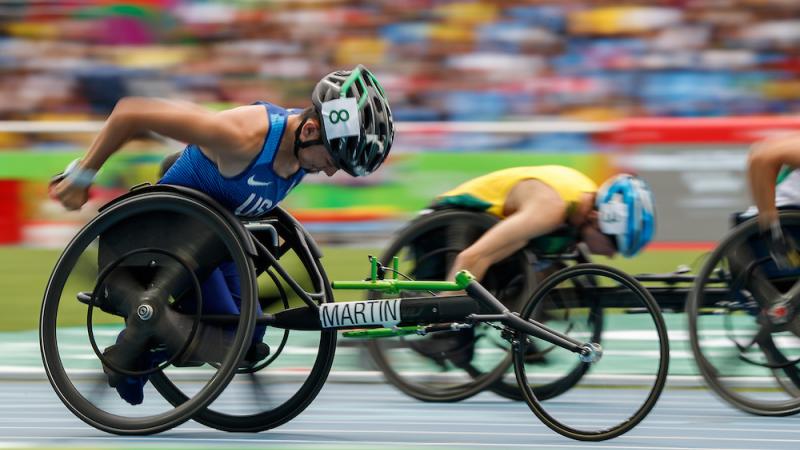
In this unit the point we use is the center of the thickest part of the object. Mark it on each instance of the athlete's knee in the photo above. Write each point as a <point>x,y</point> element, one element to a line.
<point>167,162</point>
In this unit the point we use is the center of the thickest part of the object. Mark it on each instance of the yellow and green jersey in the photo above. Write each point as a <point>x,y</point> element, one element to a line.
<point>489,192</point>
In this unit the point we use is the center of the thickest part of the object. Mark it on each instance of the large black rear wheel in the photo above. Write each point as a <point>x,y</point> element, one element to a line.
<point>123,303</point>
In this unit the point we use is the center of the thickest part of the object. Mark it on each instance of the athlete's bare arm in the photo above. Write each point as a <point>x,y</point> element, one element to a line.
<point>537,210</point>
<point>226,137</point>
<point>764,163</point>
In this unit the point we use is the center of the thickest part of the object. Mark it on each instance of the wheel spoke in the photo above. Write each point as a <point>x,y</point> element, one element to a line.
<point>210,344</point>
<point>764,291</point>
<point>793,294</point>
<point>121,292</point>
<point>171,278</point>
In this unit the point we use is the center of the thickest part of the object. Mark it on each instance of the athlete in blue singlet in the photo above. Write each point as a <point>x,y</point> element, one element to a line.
<point>250,193</point>
<point>247,158</point>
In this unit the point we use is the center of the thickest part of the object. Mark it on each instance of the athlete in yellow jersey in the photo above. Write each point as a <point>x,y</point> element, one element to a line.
<point>534,201</point>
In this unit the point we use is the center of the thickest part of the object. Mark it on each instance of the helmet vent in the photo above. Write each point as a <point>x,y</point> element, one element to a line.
<point>381,129</point>
<point>367,117</point>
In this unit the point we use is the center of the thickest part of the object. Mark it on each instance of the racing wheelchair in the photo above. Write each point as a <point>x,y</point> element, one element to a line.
<point>449,367</point>
<point>136,274</point>
<point>741,309</point>
<point>743,321</point>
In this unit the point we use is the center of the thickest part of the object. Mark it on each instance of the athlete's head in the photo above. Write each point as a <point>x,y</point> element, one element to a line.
<point>355,121</point>
<point>626,213</point>
<point>308,136</point>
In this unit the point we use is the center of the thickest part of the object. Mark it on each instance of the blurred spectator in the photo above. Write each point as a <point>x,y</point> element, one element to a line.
<point>443,60</point>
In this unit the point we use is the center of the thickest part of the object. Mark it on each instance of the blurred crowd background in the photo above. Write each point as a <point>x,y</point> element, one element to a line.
<point>441,60</point>
<point>487,62</point>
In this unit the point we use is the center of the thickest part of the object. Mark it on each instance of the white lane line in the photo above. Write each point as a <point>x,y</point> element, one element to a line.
<point>525,413</point>
<point>350,444</point>
<point>350,432</point>
<point>650,423</point>
<point>791,428</point>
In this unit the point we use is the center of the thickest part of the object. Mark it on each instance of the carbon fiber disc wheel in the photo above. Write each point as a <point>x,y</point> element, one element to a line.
<point>136,316</point>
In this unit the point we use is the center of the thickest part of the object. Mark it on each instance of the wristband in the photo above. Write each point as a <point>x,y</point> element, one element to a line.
<point>79,176</point>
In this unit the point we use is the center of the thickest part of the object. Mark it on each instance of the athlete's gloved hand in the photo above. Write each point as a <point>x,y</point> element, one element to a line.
<point>71,188</point>
<point>783,249</point>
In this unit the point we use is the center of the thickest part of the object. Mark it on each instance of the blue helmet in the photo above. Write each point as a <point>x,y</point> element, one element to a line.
<point>627,212</point>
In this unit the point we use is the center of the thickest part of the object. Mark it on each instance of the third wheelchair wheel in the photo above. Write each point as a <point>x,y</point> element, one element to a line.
<point>271,389</point>
<point>622,382</point>
<point>449,366</point>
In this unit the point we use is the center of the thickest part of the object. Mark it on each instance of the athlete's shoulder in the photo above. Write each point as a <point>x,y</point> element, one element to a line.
<point>251,123</point>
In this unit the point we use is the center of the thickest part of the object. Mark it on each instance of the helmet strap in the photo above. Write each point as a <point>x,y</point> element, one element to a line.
<point>298,144</point>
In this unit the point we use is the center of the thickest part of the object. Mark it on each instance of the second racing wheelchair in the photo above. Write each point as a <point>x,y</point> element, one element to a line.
<point>455,365</point>
<point>458,364</point>
<point>742,310</point>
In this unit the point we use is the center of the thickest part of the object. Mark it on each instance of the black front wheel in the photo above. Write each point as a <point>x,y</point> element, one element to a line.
<point>620,379</point>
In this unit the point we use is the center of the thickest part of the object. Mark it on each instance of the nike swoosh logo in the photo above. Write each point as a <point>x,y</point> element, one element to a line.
<point>252,182</point>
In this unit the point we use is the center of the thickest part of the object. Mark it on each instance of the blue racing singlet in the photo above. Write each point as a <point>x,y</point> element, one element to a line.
<point>251,193</point>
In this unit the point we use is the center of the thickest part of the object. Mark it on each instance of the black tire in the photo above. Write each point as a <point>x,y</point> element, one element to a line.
<point>200,234</point>
<point>429,244</point>
<point>619,300</point>
<point>251,404</point>
<point>744,358</point>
